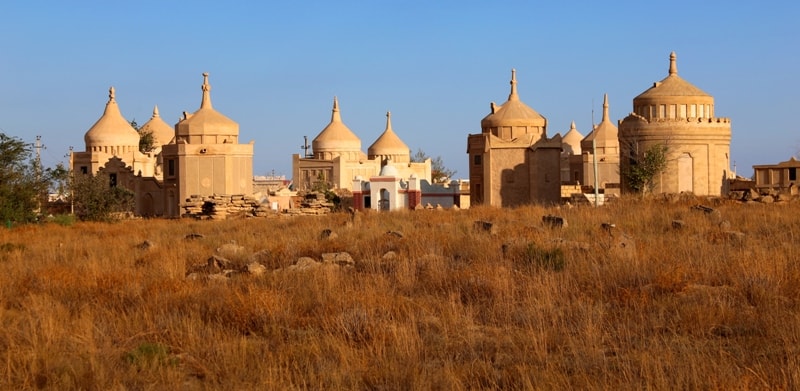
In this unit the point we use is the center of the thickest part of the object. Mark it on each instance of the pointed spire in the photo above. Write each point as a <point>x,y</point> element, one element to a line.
<point>111,94</point>
<point>155,111</point>
<point>335,116</point>
<point>605,109</point>
<point>389,121</point>
<point>513,95</point>
<point>206,103</point>
<point>673,64</point>
<point>572,126</point>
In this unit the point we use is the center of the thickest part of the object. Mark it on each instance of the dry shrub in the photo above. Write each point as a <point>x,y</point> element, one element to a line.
<point>522,307</point>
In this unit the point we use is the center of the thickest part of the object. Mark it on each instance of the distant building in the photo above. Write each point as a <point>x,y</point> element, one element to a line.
<point>201,156</point>
<point>680,116</point>
<point>337,157</point>
<point>512,162</point>
<point>782,176</point>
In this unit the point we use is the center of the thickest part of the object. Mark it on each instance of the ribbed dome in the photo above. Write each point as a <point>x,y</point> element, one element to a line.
<point>162,132</point>
<point>111,130</point>
<point>604,134</point>
<point>514,112</point>
<point>388,143</point>
<point>336,137</point>
<point>571,142</point>
<point>207,121</point>
<point>672,86</point>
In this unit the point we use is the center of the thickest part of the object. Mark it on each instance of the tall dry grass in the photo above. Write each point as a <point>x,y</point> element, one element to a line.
<point>523,307</point>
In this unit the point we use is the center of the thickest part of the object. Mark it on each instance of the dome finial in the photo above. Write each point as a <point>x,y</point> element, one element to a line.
<point>572,126</point>
<point>155,111</point>
<point>388,120</point>
<point>673,64</point>
<point>206,103</point>
<point>513,95</point>
<point>605,108</point>
<point>111,94</point>
<point>335,116</point>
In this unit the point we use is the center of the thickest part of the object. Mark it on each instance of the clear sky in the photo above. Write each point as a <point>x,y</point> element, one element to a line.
<point>436,65</point>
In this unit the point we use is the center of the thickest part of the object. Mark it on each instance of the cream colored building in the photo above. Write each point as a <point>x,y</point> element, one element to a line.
<point>512,162</point>
<point>571,160</point>
<point>680,116</point>
<point>337,157</point>
<point>782,176</point>
<point>200,156</point>
<point>600,148</point>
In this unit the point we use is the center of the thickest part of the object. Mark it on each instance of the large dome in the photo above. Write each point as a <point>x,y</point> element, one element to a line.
<point>207,121</point>
<point>571,142</point>
<point>161,131</point>
<point>604,134</point>
<point>336,137</point>
<point>112,129</point>
<point>388,144</point>
<point>513,112</point>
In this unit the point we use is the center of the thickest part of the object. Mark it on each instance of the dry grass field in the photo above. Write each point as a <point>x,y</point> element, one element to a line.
<point>643,306</point>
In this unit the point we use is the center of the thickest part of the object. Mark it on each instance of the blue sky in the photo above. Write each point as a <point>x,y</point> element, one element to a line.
<point>436,65</point>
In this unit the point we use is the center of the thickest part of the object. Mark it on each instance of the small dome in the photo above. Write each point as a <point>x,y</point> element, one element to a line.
<point>671,86</point>
<point>388,144</point>
<point>389,170</point>
<point>604,134</point>
<point>207,121</point>
<point>111,130</point>
<point>514,112</point>
<point>336,137</point>
<point>571,142</point>
<point>162,132</point>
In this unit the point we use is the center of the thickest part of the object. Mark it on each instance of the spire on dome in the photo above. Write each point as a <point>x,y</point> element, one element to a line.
<point>389,121</point>
<point>111,94</point>
<point>673,64</point>
<point>605,108</point>
<point>206,103</point>
<point>155,112</point>
<point>335,115</point>
<point>572,126</point>
<point>513,95</point>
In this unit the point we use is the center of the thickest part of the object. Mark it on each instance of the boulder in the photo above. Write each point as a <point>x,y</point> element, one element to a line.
<point>554,221</point>
<point>341,258</point>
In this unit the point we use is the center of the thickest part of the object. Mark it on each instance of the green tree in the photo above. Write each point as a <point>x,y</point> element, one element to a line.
<point>643,169</point>
<point>146,141</point>
<point>96,200</point>
<point>23,184</point>
<point>439,172</point>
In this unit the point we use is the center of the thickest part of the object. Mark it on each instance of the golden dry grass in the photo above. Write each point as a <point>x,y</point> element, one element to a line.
<point>458,308</point>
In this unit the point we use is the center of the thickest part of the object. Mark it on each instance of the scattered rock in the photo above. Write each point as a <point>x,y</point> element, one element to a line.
<point>767,199</point>
<point>341,258</point>
<point>194,236</point>
<point>678,224</point>
<point>484,226</point>
<point>231,250</point>
<point>255,269</point>
<point>328,234</point>
<point>554,221</point>
<point>396,234</point>
<point>146,245</point>
<point>608,227</point>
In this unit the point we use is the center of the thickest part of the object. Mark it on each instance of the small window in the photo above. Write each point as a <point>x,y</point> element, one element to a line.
<point>112,180</point>
<point>476,160</point>
<point>171,167</point>
<point>793,174</point>
<point>84,170</point>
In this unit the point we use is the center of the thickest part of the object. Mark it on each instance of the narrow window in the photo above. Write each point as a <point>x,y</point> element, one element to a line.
<point>793,174</point>
<point>171,167</point>
<point>112,180</point>
<point>476,160</point>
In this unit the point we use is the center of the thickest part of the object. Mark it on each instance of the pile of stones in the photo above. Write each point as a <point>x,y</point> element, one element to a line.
<point>220,207</point>
<point>312,204</point>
